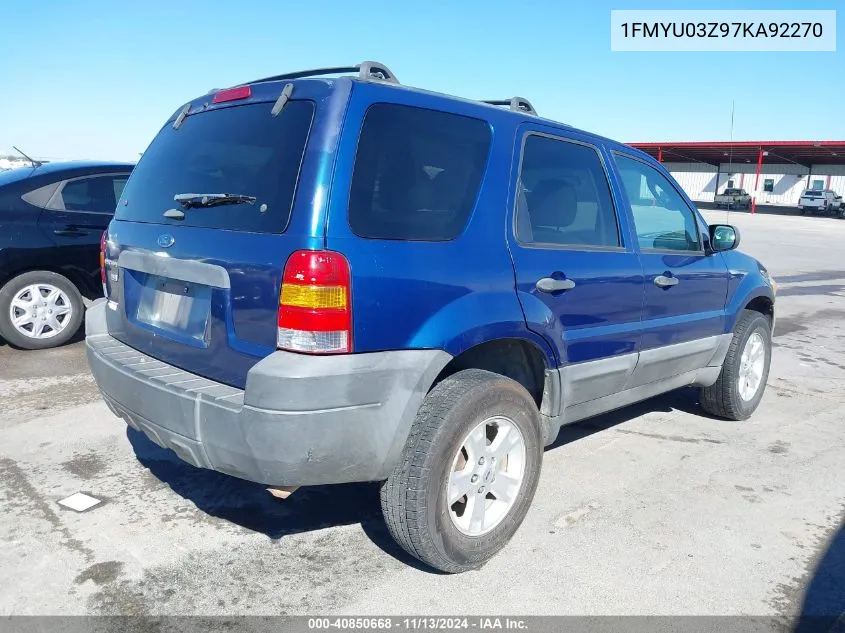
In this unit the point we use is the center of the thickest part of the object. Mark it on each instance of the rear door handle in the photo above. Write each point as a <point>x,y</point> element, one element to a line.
<point>549,284</point>
<point>665,282</point>
<point>70,232</point>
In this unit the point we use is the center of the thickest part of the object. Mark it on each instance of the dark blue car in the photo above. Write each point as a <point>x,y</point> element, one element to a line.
<point>317,280</point>
<point>52,217</point>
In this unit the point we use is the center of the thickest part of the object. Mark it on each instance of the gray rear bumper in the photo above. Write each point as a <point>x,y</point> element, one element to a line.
<point>302,420</point>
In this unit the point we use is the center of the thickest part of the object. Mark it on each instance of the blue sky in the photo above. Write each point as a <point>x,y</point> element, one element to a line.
<point>96,79</point>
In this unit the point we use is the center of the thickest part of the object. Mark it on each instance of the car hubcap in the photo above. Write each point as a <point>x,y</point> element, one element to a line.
<point>751,366</point>
<point>40,311</point>
<point>486,476</point>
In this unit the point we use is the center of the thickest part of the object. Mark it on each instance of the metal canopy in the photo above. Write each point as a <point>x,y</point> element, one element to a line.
<point>805,153</point>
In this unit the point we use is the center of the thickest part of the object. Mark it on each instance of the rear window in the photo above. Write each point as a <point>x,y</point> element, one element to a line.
<point>417,173</point>
<point>812,193</point>
<point>236,150</point>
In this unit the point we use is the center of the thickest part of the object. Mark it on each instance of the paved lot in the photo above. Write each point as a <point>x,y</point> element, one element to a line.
<point>653,509</point>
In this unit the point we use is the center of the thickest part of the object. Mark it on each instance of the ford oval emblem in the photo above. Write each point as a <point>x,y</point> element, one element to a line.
<point>166,240</point>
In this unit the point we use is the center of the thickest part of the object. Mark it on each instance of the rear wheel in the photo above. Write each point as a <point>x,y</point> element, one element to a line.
<point>742,381</point>
<point>39,309</point>
<point>468,472</point>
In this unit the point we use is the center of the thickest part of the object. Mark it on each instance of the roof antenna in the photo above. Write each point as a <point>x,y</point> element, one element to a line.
<point>731,157</point>
<point>35,163</point>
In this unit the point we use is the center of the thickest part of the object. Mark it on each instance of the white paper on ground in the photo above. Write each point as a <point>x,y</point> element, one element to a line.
<point>80,502</point>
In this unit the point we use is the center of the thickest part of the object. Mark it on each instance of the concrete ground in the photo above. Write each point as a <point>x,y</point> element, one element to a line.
<point>655,509</point>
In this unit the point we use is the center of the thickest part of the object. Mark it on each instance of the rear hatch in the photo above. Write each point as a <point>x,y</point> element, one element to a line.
<point>206,223</point>
<point>812,199</point>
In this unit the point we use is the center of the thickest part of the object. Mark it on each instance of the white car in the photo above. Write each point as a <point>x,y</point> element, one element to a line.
<point>823,201</point>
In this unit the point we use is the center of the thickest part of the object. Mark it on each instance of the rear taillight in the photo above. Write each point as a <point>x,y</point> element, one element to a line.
<point>103,262</point>
<point>315,304</point>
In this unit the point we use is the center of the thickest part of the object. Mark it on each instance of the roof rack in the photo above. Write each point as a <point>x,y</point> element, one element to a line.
<point>367,71</point>
<point>518,104</point>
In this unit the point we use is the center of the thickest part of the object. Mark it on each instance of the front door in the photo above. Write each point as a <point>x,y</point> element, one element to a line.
<point>578,278</point>
<point>685,288</point>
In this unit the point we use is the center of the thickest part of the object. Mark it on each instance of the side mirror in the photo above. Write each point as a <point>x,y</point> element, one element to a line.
<point>723,237</point>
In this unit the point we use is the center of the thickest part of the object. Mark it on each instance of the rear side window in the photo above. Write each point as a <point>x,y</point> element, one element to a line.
<point>563,197</point>
<point>417,173</point>
<point>87,194</point>
<point>241,150</point>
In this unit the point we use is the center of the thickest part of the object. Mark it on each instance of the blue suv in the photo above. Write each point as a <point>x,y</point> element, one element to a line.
<point>319,278</point>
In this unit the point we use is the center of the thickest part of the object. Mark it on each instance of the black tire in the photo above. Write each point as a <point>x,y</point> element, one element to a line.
<point>414,497</point>
<point>722,399</point>
<point>15,285</point>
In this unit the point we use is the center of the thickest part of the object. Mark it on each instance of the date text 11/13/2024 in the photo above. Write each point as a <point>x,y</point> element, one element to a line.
<point>417,623</point>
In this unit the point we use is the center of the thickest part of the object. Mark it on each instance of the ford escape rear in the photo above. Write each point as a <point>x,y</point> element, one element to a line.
<point>318,280</point>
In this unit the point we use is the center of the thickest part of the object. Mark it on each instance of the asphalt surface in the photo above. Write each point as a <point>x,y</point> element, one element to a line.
<point>655,509</point>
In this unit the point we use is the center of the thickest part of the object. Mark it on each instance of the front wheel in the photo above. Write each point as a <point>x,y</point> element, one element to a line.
<point>468,472</point>
<point>745,371</point>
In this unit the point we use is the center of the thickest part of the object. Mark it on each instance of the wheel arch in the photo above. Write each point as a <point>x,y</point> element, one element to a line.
<point>518,358</point>
<point>763,304</point>
<point>74,276</point>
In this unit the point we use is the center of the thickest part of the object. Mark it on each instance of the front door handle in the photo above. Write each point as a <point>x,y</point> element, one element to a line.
<point>549,284</point>
<point>665,282</point>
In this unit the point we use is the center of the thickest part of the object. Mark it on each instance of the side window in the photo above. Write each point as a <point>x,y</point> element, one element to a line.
<point>41,197</point>
<point>564,198</point>
<point>417,173</point>
<point>662,219</point>
<point>88,194</point>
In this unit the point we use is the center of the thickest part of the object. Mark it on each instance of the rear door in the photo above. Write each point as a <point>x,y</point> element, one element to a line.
<point>578,277</point>
<point>81,208</point>
<point>685,288</point>
<point>75,216</point>
<point>198,286</point>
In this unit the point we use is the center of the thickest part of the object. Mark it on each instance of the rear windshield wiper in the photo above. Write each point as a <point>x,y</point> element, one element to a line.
<point>191,200</point>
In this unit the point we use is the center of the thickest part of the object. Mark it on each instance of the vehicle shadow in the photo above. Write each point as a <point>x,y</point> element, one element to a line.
<point>250,506</point>
<point>823,602</point>
<point>684,400</point>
